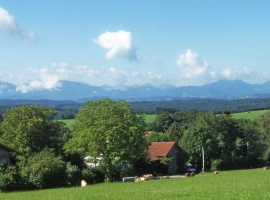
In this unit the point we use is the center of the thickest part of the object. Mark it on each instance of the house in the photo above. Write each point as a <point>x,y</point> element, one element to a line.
<point>158,150</point>
<point>5,154</point>
<point>92,162</point>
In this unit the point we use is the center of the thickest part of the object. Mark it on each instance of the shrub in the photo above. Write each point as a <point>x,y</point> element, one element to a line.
<point>44,170</point>
<point>73,175</point>
<point>9,178</point>
<point>215,165</point>
<point>93,175</point>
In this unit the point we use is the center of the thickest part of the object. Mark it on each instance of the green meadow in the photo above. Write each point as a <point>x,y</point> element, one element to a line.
<point>238,184</point>
<point>248,115</point>
<point>150,118</point>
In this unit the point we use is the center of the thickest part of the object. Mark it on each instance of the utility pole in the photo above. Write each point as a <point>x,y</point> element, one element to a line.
<point>202,160</point>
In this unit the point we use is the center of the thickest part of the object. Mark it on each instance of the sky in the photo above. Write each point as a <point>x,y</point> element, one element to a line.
<point>120,42</point>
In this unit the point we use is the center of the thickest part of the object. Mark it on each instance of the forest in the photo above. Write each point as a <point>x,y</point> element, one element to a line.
<point>68,109</point>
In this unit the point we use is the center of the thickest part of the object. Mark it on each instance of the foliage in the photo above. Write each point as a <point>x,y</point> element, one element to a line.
<point>173,125</point>
<point>264,126</point>
<point>163,122</point>
<point>154,136</point>
<point>73,175</point>
<point>109,129</point>
<point>29,129</point>
<point>165,160</point>
<point>44,170</point>
<point>9,178</point>
<point>93,175</point>
<point>224,140</point>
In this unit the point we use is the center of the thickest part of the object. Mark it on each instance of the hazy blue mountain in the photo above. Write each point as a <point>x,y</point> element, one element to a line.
<point>222,89</point>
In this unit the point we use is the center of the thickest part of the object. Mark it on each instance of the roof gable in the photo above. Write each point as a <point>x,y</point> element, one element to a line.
<point>160,149</point>
<point>5,147</point>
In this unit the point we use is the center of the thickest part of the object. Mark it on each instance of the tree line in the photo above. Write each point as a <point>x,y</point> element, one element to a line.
<point>228,143</point>
<point>68,109</point>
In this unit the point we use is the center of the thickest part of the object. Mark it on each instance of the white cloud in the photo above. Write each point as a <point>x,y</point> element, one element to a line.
<point>191,65</point>
<point>246,74</point>
<point>9,24</point>
<point>227,73</point>
<point>45,82</point>
<point>119,44</point>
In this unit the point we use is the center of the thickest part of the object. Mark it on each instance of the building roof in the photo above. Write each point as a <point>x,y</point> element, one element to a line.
<point>5,147</point>
<point>159,149</point>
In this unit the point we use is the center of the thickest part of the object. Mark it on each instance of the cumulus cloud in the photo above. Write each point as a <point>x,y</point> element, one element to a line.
<point>9,24</point>
<point>194,69</point>
<point>119,44</point>
<point>247,74</point>
<point>45,82</point>
<point>191,65</point>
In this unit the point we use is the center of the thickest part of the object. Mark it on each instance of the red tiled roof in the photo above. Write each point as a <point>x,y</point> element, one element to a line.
<point>159,149</point>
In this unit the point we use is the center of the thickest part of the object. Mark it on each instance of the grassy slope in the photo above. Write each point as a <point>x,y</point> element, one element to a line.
<point>249,115</point>
<point>238,184</point>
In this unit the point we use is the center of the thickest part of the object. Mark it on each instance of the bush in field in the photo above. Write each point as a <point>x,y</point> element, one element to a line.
<point>215,165</point>
<point>44,170</point>
<point>9,178</point>
<point>74,175</point>
<point>93,175</point>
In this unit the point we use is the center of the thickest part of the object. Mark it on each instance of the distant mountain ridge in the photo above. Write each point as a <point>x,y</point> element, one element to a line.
<point>77,91</point>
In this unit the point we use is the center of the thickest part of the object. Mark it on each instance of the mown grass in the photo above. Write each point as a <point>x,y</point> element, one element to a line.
<point>239,185</point>
<point>248,115</point>
<point>69,123</point>
<point>150,118</point>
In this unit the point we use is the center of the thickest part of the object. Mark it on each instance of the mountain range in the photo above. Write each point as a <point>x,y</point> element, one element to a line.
<point>78,91</point>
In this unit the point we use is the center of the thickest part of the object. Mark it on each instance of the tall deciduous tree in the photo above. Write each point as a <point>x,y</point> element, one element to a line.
<point>109,129</point>
<point>29,129</point>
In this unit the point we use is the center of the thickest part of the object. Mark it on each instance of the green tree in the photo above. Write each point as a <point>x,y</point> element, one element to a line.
<point>264,126</point>
<point>156,137</point>
<point>30,128</point>
<point>109,129</point>
<point>224,140</point>
<point>200,134</point>
<point>162,122</point>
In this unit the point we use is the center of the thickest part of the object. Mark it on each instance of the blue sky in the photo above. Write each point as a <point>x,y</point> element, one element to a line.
<point>185,42</point>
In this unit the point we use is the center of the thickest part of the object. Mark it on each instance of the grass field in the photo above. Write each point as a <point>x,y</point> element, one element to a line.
<point>239,185</point>
<point>249,115</point>
<point>68,122</point>
<point>150,118</point>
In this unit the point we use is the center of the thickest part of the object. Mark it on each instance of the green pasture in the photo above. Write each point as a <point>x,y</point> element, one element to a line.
<point>239,185</point>
<point>249,115</point>
<point>69,123</point>
<point>150,118</point>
